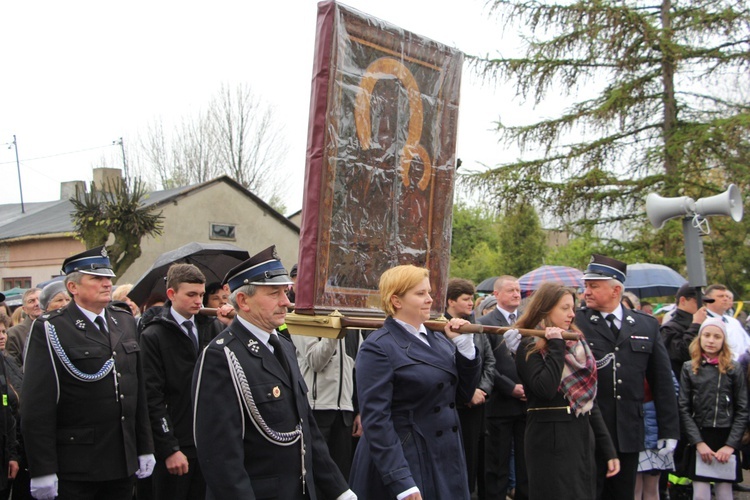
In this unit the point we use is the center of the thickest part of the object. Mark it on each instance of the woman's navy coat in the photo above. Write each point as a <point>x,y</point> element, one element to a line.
<point>408,393</point>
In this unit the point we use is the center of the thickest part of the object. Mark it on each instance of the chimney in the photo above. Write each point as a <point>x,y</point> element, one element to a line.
<point>106,178</point>
<point>68,189</point>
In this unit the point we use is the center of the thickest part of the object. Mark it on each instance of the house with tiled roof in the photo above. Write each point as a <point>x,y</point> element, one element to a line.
<point>33,244</point>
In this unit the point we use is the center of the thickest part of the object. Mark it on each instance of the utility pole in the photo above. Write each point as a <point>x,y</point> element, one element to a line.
<point>18,166</point>
<point>124,161</point>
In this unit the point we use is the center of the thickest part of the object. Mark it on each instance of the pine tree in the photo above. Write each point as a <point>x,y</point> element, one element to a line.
<point>661,106</point>
<point>662,110</point>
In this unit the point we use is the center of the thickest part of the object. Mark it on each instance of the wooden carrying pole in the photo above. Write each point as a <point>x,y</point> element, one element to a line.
<point>334,325</point>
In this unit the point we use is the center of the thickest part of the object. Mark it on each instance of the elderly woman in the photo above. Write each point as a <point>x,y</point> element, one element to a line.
<point>53,297</point>
<point>564,426</point>
<point>409,379</point>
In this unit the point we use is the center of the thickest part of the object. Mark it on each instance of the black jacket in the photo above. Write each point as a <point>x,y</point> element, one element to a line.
<point>677,333</point>
<point>623,363</point>
<point>168,361</point>
<point>502,403</point>
<point>238,461</point>
<point>84,430</point>
<point>713,399</point>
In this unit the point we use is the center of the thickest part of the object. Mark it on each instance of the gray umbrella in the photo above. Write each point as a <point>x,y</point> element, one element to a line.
<point>653,280</point>
<point>488,285</point>
<point>213,259</point>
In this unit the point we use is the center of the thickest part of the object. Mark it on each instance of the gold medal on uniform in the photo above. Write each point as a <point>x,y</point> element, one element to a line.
<point>276,392</point>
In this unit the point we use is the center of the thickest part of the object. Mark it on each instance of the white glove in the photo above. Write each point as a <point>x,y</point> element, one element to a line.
<point>145,466</point>
<point>665,446</point>
<point>347,495</point>
<point>44,487</point>
<point>512,340</point>
<point>465,345</point>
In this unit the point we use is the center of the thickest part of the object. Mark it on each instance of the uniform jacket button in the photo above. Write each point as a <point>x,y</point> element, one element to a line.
<point>436,409</point>
<point>439,433</point>
<point>440,385</point>
<point>455,428</point>
<point>452,405</point>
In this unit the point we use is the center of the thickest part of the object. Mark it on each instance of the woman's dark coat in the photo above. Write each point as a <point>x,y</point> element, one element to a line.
<point>560,447</point>
<point>407,398</point>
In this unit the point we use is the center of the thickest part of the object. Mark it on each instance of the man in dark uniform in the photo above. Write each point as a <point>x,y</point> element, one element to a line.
<point>85,420</point>
<point>628,349</point>
<point>254,430</point>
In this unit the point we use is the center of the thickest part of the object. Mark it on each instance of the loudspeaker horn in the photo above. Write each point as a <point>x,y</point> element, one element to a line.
<point>660,209</point>
<point>727,203</point>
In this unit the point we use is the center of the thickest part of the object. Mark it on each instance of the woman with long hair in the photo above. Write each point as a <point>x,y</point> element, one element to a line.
<point>409,381</point>
<point>564,427</point>
<point>713,408</point>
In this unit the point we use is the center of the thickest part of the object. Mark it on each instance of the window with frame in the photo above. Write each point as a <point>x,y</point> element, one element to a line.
<point>9,283</point>
<point>220,231</point>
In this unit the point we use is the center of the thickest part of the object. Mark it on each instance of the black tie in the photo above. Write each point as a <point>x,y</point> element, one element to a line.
<point>101,324</point>
<point>189,327</point>
<point>612,326</point>
<point>279,353</point>
<point>512,318</point>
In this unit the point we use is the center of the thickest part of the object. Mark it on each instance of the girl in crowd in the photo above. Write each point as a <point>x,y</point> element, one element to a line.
<point>409,381</point>
<point>564,426</point>
<point>713,408</point>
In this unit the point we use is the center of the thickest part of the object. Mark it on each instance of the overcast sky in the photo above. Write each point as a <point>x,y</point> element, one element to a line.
<point>78,75</point>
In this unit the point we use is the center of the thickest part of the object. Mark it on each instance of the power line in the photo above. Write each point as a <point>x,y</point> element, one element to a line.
<point>60,154</point>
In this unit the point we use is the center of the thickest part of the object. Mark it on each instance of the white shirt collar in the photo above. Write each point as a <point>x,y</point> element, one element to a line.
<point>92,316</point>
<point>180,319</point>
<point>617,312</point>
<point>507,314</point>
<point>262,335</point>
<point>416,332</point>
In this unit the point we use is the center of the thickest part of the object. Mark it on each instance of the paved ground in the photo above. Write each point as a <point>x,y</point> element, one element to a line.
<point>746,482</point>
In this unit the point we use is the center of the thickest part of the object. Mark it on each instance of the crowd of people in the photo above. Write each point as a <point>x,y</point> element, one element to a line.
<point>585,395</point>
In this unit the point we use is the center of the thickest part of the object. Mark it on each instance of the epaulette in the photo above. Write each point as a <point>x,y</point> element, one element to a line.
<point>116,305</point>
<point>641,313</point>
<point>51,314</point>
<point>222,339</point>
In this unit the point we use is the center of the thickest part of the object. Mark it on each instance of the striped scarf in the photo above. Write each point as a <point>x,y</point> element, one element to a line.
<point>579,376</point>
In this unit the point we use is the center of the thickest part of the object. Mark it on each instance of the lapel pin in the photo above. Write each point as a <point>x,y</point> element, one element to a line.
<point>630,320</point>
<point>253,346</point>
<point>219,341</point>
<point>276,392</point>
<point>595,318</point>
<point>80,324</point>
<point>113,319</point>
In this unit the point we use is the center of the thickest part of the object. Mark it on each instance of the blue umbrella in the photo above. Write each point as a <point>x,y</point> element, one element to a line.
<point>653,280</point>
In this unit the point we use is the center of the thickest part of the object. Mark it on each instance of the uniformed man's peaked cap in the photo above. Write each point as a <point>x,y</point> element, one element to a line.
<point>94,262</point>
<point>263,268</point>
<point>602,267</point>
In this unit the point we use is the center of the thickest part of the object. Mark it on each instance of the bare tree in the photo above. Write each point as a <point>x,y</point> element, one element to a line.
<point>248,140</point>
<point>235,135</point>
